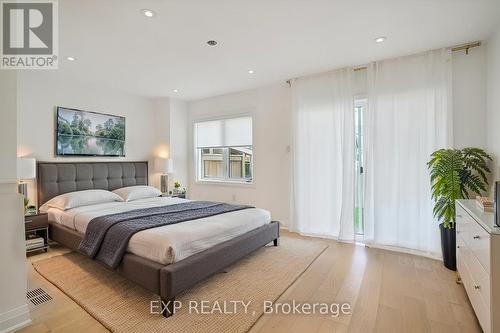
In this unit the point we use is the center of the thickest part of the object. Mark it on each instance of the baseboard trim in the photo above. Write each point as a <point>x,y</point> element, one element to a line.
<point>15,319</point>
<point>324,236</point>
<point>372,245</point>
<point>404,250</point>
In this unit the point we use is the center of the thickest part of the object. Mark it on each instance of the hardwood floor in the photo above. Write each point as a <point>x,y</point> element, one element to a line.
<point>60,314</point>
<point>387,291</point>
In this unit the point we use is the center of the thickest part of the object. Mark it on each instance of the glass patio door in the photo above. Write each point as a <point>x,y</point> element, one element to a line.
<point>359,179</point>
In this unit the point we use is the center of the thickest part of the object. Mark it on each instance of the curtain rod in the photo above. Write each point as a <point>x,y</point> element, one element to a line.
<point>465,47</point>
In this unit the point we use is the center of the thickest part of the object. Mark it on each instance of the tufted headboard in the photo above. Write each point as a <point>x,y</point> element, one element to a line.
<point>55,178</point>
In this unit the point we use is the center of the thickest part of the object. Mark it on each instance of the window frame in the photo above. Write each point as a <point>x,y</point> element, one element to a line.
<point>198,167</point>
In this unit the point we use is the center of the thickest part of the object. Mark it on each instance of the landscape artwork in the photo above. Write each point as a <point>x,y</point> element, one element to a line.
<point>84,133</point>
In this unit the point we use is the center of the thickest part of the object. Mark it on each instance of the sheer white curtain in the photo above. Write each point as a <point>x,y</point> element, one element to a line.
<point>408,117</point>
<point>323,155</point>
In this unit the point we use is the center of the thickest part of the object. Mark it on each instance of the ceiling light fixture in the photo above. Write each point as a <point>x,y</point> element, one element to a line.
<point>212,42</point>
<point>148,12</point>
<point>380,39</point>
<point>70,58</point>
<point>175,90</point>
<point>251,71</point>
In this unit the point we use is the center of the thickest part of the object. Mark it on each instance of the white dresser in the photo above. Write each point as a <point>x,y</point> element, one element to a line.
<point>478,261</point>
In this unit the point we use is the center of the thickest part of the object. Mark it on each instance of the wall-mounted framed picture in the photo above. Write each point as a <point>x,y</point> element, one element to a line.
<point>85,133</point>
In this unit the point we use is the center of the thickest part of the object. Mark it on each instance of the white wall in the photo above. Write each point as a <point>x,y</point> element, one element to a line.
<point>178,142</point>
<point>171,117</point>
<point>469,98</point>
<point>270,108</point>
<point>493,99</point>
<point>41,91</point>
<point>14,311</point>
<point>161,130</point>
<point>8,107</point>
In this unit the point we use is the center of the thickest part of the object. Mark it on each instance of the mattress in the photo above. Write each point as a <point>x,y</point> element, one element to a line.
<point>169,243</point>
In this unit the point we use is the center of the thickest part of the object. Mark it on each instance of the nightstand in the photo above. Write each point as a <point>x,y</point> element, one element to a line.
<point>36,226</point>
<point>175,195</point>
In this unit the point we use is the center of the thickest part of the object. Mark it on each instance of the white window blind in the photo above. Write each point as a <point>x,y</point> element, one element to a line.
<point>232,132</point>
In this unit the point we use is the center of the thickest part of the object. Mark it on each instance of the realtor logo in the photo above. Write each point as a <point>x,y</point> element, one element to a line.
<point>29,35</point>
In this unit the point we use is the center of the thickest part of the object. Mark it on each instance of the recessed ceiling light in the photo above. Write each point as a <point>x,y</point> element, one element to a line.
<point>212,42</point>
<point>148,12</point>
<point>380,39</point>
<point>175,90</point>
<point>70,58</point>
<point>251,71</point>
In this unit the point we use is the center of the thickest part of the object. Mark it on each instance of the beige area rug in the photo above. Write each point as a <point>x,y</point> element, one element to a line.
<point>122,306</point>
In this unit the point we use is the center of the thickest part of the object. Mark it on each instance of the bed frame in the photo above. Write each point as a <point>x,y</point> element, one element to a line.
<point>167,281</point>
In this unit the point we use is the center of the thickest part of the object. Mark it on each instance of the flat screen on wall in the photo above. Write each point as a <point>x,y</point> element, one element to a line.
<point>84,133</point>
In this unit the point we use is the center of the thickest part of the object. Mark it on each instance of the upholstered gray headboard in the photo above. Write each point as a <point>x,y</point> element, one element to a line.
<point>54,178</point>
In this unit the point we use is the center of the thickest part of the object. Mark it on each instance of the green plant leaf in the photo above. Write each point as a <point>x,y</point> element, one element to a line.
<point>455,174</point>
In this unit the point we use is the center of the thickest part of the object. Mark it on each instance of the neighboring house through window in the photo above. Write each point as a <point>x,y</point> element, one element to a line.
<point>224,150</point>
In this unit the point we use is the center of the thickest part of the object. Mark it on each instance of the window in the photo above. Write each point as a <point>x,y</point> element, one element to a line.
<point>224,150</point>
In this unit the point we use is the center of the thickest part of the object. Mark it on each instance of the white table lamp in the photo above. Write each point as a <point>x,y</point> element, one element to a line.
<point>165,167</point>
<point>26,169</point>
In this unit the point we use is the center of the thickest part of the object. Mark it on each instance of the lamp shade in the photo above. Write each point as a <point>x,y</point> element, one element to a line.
<point>164,165</point>
<point>170,166</point>
<point>26,168</point>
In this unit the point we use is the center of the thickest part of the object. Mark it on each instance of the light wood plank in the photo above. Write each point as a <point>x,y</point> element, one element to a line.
<point>414,315</point>
<point>389,320</point>
<point>364,314</point>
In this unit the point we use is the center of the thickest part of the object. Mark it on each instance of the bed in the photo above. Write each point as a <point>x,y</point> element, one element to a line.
<point>159,259</point>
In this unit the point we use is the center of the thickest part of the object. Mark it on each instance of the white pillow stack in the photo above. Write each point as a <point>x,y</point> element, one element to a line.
<point>80,198</point>
<point>132,193</point>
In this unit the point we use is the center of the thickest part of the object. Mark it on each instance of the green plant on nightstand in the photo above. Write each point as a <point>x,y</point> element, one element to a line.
<point>28,209</point>
<point>455,173</point>
<point>177,189</point>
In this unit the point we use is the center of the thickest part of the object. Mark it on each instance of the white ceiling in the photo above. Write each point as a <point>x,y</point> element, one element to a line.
<point>115,45</point>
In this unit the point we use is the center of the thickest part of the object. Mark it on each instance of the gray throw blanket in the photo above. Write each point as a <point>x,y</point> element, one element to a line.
<point>106,238</point>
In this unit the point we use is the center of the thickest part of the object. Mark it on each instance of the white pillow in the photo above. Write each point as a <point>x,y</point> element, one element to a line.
<point>132,193</point>
<point>80,198</point>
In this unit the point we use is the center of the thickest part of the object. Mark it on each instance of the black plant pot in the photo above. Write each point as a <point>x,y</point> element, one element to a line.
<point>449,247</point>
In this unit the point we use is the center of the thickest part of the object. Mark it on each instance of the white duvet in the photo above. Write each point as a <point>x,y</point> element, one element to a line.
<point>170,243</point>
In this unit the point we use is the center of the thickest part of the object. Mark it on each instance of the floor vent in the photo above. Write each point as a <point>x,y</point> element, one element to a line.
<point>38,296</point>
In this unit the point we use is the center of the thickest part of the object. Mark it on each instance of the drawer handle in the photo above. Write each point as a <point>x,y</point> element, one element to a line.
<point>29,221</point>
<point>476,237</point>
<point>476,287</point>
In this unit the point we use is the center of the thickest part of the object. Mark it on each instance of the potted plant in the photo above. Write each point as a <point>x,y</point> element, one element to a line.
<point>455,174</point>
<point>177,188</point>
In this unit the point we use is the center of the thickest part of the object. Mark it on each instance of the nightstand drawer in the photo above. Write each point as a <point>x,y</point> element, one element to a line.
<point>36,221</point>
